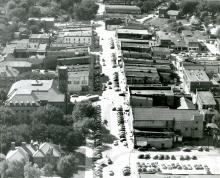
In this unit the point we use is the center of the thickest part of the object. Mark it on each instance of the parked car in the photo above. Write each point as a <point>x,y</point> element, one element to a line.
<point>125,143</point>
<point>186,149</point>
<point>114,109</point>
<point>121,94</point>
<point>110,161</point>
<point>126,171</point>
<point>115,143</point>
<point>111,173</point>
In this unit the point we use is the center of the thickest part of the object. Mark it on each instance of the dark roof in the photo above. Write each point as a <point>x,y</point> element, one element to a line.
<point>134,45</point>
<point>163,114</point>
<point>160,49</point>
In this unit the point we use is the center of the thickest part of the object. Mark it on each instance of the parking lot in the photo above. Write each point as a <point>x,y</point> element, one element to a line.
<point>177,162</point>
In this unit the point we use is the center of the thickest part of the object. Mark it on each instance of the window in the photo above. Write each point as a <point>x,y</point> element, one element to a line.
<point>186,129</point>
<point>69,82</point>
<point>196,128</point>
<point>197,122</point>
<point>76,82</point>
<point>84,82</point>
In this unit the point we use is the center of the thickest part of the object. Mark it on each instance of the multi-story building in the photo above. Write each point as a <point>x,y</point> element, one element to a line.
<point>140,75</point>
<point>76,37</point>
<point>78,77</point>
<point>39,38</point>
<point>195,80</point>
<point>163,123</point>
<point>25,96</point>
<point>205,100</point>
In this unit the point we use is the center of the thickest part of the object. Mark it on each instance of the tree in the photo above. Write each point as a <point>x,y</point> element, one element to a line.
<point>48,170</point>
<point>11,5</point>
<point>188,7</point>
<point>83,110</point>
<point>66,166</point>
<point>3,95</point>
<point>19,13</point>
<point>38,131</point>
<point>86,10</point>
<point>218,20</point>
<point>172,6</point>
<point>31,171</point>
<point>15,169</point>
<point>7,116</point>
<point>37,76</point>
<point>34,12</point>
<point>147,6</point>
<point>48,115</point>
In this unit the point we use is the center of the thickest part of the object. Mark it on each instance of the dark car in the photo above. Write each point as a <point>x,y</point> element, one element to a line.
<point>121,94</point>
<point>142,148</point>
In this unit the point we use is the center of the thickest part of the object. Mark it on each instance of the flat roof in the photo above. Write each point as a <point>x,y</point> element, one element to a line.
<point>132,31</point>
<point>156,113</point>
<point>173,12</point>
<point>197,75</point>
<point>136,45</point>
<point>39,36</point>
<point>206,97</point>
<point>122,7</point>
<point>152,92</point>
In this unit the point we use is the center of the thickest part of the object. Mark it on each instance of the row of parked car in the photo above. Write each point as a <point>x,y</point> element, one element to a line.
<point>112,46</point>
<point>121,124</point>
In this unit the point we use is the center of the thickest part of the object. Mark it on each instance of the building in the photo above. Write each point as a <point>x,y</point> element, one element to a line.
<point>122,9</point>
<point>164,122</point>
<point>60,52</point>
<point>37,153</point>
<point>151,96</point>
<point>25,96</point>
<point>140,75</point>
<point>163,39</point>
<point>76,37</point>
<point>142,48</point>
<point>173,14</point>
<point>205,100</point>
<point>39,38</point>
<point>21,66</point>
<point>78,77</point>
<point>160,52</point>
<point>116,2</point>
<point>75,60</point>
<point>123,33</point>
<point>195,80</point>
<point>163,12</point>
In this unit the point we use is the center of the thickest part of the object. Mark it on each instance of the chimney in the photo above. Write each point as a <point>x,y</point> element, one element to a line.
<point>23,144</point>
<point>12,145</point>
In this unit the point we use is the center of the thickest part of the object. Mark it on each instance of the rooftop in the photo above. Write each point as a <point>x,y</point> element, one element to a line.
<point>154,113</point>
<point>206,97</point>
<point>152,92</point>
<point>196,75</point>
<point>136,45</point>
<point>75,33</point>
<point>132,31</point>
<point>15,63</point>
<point>28,91</point>
<point>39,36</point>
<point>173,12</point>
<point>122,7</point>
